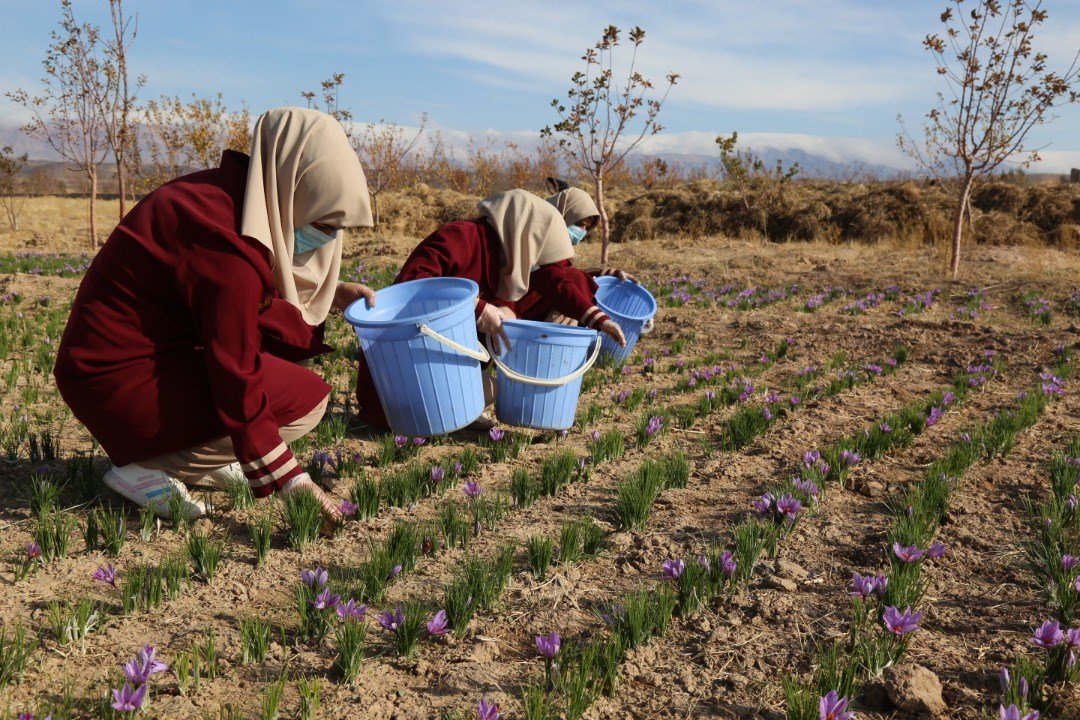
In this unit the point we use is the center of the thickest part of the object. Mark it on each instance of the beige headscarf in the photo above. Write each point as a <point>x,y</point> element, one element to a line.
<point>303,170</point>
<point>532,233</point>
<point>574,204</point>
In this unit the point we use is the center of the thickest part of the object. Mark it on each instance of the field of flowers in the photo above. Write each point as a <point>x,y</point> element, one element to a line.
<point>826,483</point>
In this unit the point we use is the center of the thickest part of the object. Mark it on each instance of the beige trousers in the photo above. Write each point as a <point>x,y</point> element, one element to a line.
<point>197,461</point>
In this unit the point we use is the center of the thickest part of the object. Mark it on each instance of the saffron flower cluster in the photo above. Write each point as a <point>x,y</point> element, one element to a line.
<point>137,674</point>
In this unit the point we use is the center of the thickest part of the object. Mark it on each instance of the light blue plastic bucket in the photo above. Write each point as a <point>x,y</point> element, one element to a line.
<point>539,378</point>
<point>630,305</point>
<point>421,346</point>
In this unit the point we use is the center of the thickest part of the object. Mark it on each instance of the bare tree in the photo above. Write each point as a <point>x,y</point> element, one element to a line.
<point>596,124</point>
<point>10,166</point>
<point>185,136</point>
<point>999,88</point>
<point>117,104</point>
<point>65,115</point>
<point>382,149</point>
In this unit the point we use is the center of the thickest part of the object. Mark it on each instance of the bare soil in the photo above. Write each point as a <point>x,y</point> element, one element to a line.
<point>729,660</point>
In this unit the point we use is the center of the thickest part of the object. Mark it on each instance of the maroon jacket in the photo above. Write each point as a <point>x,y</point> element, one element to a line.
<point>177,336</point>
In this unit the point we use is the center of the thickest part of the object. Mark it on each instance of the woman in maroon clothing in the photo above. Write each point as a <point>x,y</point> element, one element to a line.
<point>180,352</point>
<point>519,245</point>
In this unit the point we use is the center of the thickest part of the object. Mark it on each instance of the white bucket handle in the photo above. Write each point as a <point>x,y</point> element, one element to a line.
<point>547,382</point>
<point>647,327</point>
<point>481,355</point>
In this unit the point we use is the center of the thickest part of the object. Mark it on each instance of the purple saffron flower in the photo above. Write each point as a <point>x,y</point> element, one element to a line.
<point>948,399</point>
<point>350,610</point>
<point>704,562</point>
<point>909,554</point>
<point>901,623</point>
<point>1004,680</point>
<point>150,664</point>
<point>472,489</point>
<point>437,474</point>
<point>656,422</point>
<point>1068,562</point>
<point>1070,502</point>
<point>348,508</point>
<point>394,572</point>
<point>314,579</point>
<point>1077,584</point>
<point>33,550</point>
<point>881,584</point>
<point>810,457</point>
<point>1049,635</point>
<point>400,441</point>
<point>595,436</point>
<point>437,624</point>
<point>392,620</point>
<point>728,564</point>
<point>864,585</point>
<point>771,398</point>
<point>549,645</point>
<point>418,441</point>
<point>105,574</point>
<point>807,487</point>
<point>1013,713</point>
<point>833,707</point>
<point>936,550</point>
<point>763,505</point>
<point>794,400</point>
<point>673,569</point>
<point>1072,637</point>
<point>884,427</point>
<point>934,416</point>
<point>767,414</point>
<point>849,457</point>
<point>485,711</point>
<point>789,507</point>
<point>127,700</point>
<point>457,467</point>
<point>496,434</point>
<point>326,600</point>
<point>710,395</point>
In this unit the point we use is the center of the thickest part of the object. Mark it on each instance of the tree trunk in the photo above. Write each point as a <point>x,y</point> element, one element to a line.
<point>958,223</point>
<point>375,211</point>
<point>121,182</point>
<point>605,227</point>
<point>93,207</point>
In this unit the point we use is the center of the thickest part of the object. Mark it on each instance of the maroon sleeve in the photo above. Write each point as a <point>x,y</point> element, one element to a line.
<point>569,291</point>
<point>451,251</point>
<point>286,335</point>
<point>224,292</point>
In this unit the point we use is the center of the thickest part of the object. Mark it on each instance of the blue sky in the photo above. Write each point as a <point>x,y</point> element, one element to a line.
<point>826,76</point>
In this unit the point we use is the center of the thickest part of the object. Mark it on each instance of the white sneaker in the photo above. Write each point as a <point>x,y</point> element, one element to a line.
<point>220,479</point>
<point>146,487</point>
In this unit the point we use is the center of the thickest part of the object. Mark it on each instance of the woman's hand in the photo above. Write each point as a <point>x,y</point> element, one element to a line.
<point>347,293</point>
<point>490,323</point>
<point>612,330</point>
<point>304,483</point>
<point>620,275</point>
<point>559,319</point>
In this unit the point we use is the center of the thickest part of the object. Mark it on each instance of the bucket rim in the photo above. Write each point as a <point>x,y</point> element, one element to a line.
<point>575,332</point>
<point>360,305</point>
<point>640,290</point>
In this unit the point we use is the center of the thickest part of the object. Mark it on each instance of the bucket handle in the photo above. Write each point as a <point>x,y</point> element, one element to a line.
<point>480,355</point>
<point>647,327</point>
<point>547,382</point>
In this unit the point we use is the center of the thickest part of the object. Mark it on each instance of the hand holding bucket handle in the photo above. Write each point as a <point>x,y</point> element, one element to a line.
<point>546,382</point>
<point>480,355</point>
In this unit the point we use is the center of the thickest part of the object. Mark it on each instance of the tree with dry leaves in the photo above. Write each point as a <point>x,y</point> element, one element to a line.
<point>10,167</point>
<point>999,88</point>
<point>66,115</point>
<point>382,148</point>
<point>597,123</point>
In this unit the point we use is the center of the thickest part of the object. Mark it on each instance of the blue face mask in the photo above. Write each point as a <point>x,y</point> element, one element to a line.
<point>577,234</point>
<point>307,238</point>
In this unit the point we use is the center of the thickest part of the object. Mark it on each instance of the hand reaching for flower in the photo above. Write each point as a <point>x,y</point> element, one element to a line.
<point>330,506</point>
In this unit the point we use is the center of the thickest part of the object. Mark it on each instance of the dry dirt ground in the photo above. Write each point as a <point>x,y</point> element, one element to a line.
<point>729,660</point>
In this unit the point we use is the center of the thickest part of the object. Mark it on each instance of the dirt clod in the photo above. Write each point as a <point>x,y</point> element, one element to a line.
<point>915,689</point>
